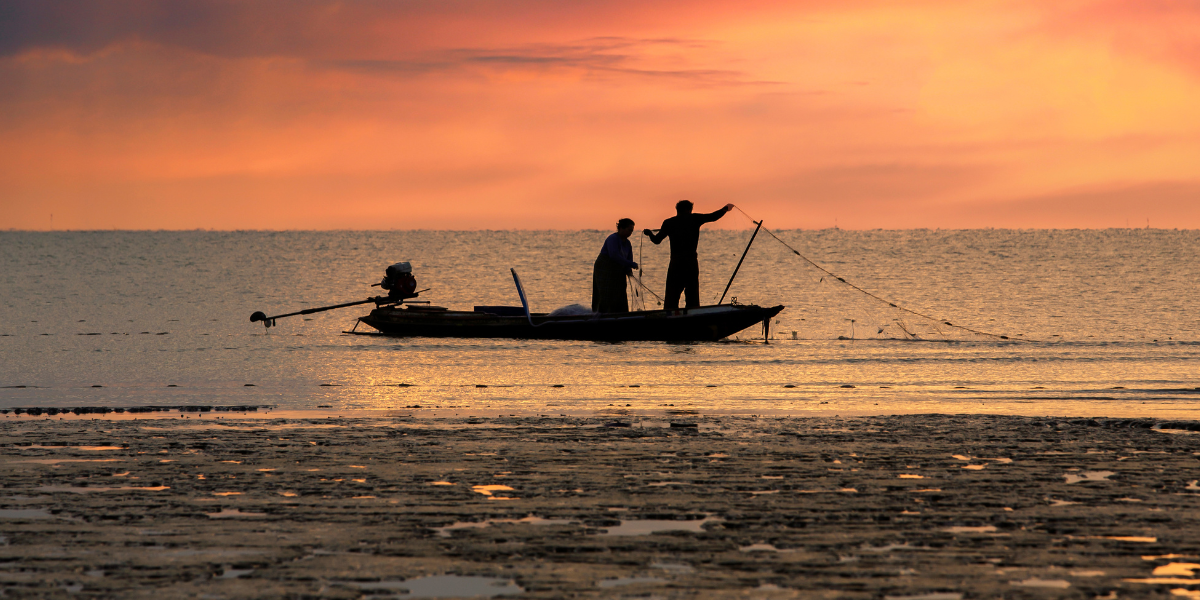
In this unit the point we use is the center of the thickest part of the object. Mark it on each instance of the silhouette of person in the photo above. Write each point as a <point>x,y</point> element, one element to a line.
<point>612,265</point>
<point>683,274</point>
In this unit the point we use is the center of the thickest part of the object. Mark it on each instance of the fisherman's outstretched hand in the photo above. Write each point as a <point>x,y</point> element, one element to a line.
<point>647,232</point>
<point>728,207</point>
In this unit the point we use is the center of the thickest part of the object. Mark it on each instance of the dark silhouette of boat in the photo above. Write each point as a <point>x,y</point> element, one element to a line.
<point>705,323</point>
<point>398,314</point>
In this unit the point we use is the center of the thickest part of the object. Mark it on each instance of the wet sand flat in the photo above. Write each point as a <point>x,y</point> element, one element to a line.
<point>918,506</point>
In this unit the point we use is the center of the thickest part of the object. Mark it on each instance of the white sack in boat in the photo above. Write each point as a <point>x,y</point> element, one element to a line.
<point>571,310</point>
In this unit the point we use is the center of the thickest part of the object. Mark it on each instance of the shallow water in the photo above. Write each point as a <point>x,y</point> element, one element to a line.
<point>1101,322</point>
<point>651,526</point>
<point>444,586</point>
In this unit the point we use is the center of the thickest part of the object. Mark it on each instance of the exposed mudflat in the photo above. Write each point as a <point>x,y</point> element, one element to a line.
<point>932,507</point>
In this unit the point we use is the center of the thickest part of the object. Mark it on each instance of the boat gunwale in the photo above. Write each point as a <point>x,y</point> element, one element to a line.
<point>661,313</point>
<point>696,324</point>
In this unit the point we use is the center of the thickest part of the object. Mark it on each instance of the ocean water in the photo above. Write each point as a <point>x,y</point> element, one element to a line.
<point>1099,322</point>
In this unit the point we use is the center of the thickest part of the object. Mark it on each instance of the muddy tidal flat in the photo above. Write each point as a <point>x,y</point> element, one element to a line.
<point>920,506</point>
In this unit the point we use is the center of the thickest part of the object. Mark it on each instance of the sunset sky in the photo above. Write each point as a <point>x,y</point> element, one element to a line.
<point>570,114</point>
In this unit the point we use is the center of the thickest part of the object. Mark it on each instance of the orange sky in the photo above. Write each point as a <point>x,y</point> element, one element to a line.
<point>550,114</point>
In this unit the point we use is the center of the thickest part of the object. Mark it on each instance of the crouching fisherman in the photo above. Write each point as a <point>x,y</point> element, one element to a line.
<point>613,264</point>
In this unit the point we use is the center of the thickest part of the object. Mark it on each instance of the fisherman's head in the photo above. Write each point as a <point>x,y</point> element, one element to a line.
<point>683,207</point>
<point>625,227</point>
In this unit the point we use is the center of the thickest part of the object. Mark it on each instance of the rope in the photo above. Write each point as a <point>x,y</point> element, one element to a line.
<point>643,286</point>
<point>641,269</point>
<point>869,294</point>
<point>636,282</point>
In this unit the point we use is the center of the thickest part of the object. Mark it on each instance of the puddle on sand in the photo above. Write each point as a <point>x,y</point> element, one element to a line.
<point>234,513</point>
<point>1185,569</point>
<point>1137,539</point>
<point>611,583</point>
<point>1088,476</point>
<point>55,461</point>
<point>88,448</point>
<point>931,596</point>
<point>210,554</point>
<point>529,520</point>
<point>1060,584</point>
<point>444,586</point>
<point>679,568</point>
<point>487,490</point>
<point>1164,581</point>
<point>24,513</point>
<point>649,526</point>
<point>891,547</point>
<point>762,548</point>
<point>86,490</point>
<point>981,529</point>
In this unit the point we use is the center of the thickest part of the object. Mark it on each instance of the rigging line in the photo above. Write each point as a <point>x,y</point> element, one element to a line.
<point>641,269</point>
<point>639,299</point>
<point>644,287</point>
<point>869,294</point>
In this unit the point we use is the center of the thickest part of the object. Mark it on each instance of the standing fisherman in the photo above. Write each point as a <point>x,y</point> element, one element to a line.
<point>683,274</point>
<point>612,265</point>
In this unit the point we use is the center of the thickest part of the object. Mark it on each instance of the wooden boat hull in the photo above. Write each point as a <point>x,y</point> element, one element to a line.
<point>705,323</point>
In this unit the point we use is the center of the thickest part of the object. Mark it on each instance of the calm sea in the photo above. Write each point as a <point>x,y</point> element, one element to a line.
<point>1100,322</point>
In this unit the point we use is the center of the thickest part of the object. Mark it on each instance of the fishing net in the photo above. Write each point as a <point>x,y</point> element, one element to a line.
<point>832,306</point>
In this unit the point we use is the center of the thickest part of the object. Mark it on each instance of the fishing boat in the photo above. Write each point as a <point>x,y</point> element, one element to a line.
<point>703,323</point>
<point>399,314</point>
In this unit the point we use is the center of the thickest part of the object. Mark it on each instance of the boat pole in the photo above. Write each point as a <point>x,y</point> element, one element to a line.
<point>269,321</point>
<point>739,265</point>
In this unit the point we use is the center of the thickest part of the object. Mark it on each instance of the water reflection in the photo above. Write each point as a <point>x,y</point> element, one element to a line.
<point>649,526</point>
<point>623,581</point>
<point>528,520</point>
<point>443,586</point>
<point>25,513</point>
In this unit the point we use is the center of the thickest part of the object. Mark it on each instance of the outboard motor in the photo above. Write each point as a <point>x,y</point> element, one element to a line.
<point>398,280</point>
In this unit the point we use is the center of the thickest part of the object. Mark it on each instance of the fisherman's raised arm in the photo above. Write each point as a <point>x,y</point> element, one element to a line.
<point>716,214</point>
